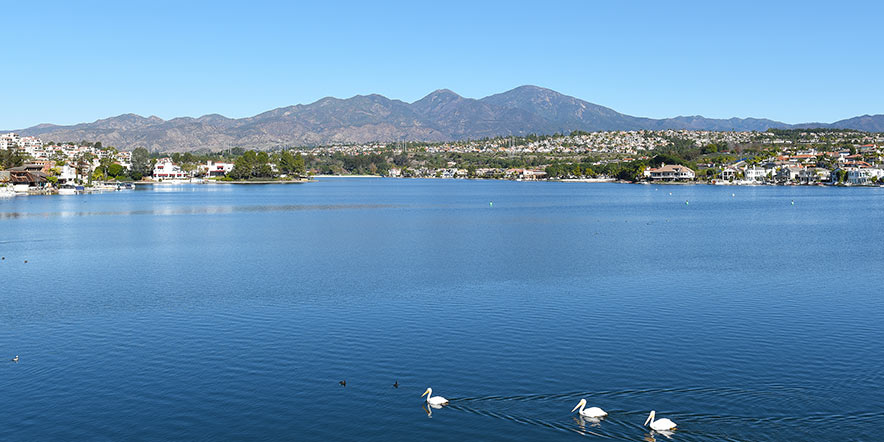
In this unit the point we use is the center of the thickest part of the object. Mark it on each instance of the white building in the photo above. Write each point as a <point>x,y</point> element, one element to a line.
<point>8,141</point>
<point>755,174</point>
<point>811,175</point>
<point>67,174</point>
<point>215,169</point>
<point>671,172</point>
<point>31,145</point>
<point>728,174</point>
<point>165,169</point>
<point>860,176</point>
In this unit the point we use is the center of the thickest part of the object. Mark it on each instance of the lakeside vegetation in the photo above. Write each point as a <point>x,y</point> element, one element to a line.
<point>623,155</point>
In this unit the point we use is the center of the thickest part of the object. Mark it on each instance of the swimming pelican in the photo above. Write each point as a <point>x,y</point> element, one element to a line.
<point>595,412</point>
<point>434,400</point>
<point>659,425</point>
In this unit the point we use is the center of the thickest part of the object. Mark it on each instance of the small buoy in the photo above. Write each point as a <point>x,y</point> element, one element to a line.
<point>491,203</point>
<point>343,383</point>
<point>733,194</point>
<point>670,193</point>
<point>396,384</point>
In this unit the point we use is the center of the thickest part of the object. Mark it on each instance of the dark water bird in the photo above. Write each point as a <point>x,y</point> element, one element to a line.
<point>343,383</point>
<point>15,359</point>
<point>3,259</point>
<point>26,261</point>
<point>396,384</point>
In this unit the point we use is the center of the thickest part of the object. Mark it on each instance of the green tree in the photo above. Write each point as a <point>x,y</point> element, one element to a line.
<point>116,170</point>
<point>10,158</point>
<point>243,167</point>
<point>140,161</point>
<point>287,162</point>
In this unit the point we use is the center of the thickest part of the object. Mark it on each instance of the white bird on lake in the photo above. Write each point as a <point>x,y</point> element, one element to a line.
<point>434,400</point>
<point>659,425</point>
<point>594,412</point>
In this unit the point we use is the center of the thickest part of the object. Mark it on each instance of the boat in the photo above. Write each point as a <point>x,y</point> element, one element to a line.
<point>6,192</point>
<point>103,187</point>
<point>67,189</point>
<point>172,181</point>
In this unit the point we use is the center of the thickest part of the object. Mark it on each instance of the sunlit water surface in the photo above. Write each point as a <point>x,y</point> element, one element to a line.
<point>232,312</point>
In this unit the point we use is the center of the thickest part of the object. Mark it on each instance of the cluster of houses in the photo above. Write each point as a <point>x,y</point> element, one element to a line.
<point>35,149</point>
<point>453,172</point>
<point>52,166</point>
<point>69,163</point>
<point>801,168</point>
<point>621,142</point>
<point>804,168</point>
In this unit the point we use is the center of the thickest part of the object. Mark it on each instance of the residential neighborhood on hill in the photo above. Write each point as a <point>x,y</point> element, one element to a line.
<point>780,157</point>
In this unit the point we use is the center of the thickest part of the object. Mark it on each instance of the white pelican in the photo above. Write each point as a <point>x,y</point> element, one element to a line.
<point>15,359</point>
<point>660,425</point>
<point>593,412</point>
<point>434,400</point>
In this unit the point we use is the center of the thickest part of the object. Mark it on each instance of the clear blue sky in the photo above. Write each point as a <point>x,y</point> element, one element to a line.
<point>66,63</point>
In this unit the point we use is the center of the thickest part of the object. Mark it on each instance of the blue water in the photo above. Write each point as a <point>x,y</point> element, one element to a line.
<point>231,312</point>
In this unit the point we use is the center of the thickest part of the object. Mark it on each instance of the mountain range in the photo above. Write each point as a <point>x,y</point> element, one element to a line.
<point>440,116</point>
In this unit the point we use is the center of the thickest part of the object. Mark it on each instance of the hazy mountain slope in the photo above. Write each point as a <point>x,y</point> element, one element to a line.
<point>440,116</point>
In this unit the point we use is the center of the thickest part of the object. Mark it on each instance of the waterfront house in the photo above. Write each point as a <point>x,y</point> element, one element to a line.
<point>672,172</point>
<point>215,168</point>
<point>165,169</point>
<point>862,176</point>
<point>787,174</point>
<point>812,175</point>
<point>26,178</point>
<point>728,174</point>
<point>755,174</point>
<point>67,174</point>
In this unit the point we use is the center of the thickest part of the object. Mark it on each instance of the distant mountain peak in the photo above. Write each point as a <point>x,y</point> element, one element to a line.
<point>441,115</point>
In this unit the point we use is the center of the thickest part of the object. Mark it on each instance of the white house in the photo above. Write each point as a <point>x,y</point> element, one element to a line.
<point>728,174</point>
<point>860,176</point>
<point>788,173</point>
<point>165,169</point>
<point>755,174</point>
<point>68,174</point>
<point>671,172</point>
<point>813,175</point>
<point>215,169</point>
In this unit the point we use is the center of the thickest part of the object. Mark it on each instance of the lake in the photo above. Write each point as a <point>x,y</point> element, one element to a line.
<point>219,312</point>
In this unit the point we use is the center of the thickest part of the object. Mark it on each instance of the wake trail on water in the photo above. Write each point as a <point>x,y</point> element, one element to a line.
<point>623,424</point>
